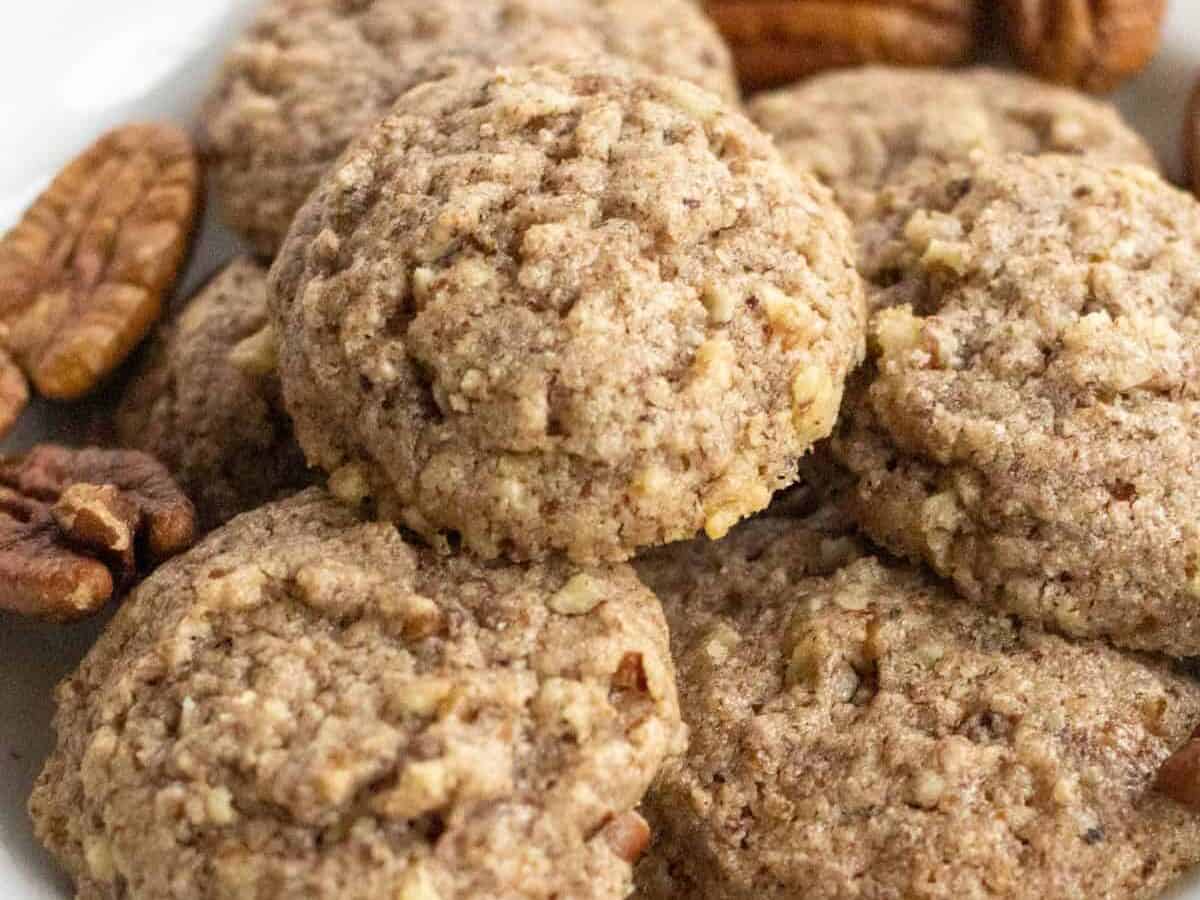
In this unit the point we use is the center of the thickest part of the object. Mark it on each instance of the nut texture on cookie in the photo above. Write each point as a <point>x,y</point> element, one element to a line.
<point>867,734</point>
<point>1030,421</point>
<point>565,309</point>
<point>206,401</point>
<point>309,75</point>
<point>862,129</point>
<point>307,706</point>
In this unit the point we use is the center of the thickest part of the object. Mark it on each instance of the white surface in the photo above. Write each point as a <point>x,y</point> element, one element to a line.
<point>71,68</point>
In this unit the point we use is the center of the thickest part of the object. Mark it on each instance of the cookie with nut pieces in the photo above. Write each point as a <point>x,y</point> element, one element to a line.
<point>309,75</point>
<point>206,401</point>
<point>856,729</point>
<point>307,706</point>
<point>860,130</point>
<point>1029,422</point>
<point>565,309</point>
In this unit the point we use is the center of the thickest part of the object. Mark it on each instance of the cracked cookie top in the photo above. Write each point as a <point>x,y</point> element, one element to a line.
<point>309,75</point>
<point>305,705</point>
<point>861,731</point>
<point>565,309</point>
<point>1029,424</point>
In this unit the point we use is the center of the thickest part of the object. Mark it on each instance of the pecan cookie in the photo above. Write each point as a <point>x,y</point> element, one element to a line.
<point>571,309</point>
<point>309,75</point>
<point>307,706</point>
<point>860,130</point>
<point>206,401</point>
<point>868,734</point>
<point>1029,424</point>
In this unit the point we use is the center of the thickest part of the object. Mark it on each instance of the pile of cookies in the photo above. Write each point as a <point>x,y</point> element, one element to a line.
<point>610,489</point>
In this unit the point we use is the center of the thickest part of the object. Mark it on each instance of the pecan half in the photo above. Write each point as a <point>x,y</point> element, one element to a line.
<point>77,526</point>
<point>778,41</point>
<point>83,274</point>
<point>1191,140</point>
<point>1179,775</point>
<point>14,393</point>
<point>1089,44</point>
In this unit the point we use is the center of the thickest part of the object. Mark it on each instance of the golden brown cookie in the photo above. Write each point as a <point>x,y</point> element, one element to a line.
<point>307,706</point>
<point>862,732</point>
<point>309,75</point>
<point>1029,424</point>
<point>207,404</point>
<point>565,309</point>
<point>863,129</point>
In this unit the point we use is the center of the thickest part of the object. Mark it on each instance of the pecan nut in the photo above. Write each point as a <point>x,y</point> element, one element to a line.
<point>14,393</point>
<point>83,274</point>
<point>1179,775</point>
<point>1088,44</point>
<point>77,526</point>
<point>628,835</point>
<point>778,41</point>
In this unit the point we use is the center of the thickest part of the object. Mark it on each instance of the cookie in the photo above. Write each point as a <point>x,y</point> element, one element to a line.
<point>868,734</point>
<point>307,706</point>
<point>565,309</point>
<point>309,75</point>
<point>208,409</point>
<point>1030,421</point>
<point>859,130</point>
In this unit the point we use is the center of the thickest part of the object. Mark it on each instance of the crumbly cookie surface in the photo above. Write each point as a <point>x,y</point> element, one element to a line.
<point>306,706</point>
<point>216,420</point>
<point>859,130</point>
<point>309,75</point>
<point>868,734</point>
<point>1030,421</point>
<point>571,309</point>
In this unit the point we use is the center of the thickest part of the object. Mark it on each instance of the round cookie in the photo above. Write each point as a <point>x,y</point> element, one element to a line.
<point>206,402</point>
<point>309,75</point>
<point>545,309</point>
<point>307,706</point>
<point>868,734</point>
<point>859,130</point>
<point>1030,423</point>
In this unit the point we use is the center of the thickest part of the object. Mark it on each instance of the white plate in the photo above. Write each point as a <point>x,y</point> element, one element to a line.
<point>70,70</point>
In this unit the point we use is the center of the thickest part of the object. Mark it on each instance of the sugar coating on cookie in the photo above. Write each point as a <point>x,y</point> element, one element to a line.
<point>565,309</point>
<point>309,75</point>
<point>1030,421</point>
<point>307,706</point>
<point>868,734</point>
<point>860,129</point>
<point>206,401</point>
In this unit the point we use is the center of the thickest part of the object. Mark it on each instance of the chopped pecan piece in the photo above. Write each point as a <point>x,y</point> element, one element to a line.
<point>631,674</point>
<point>1179,775</point>
<point>628,834</point>
<point>77,526</point>
<point>83,274</point>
